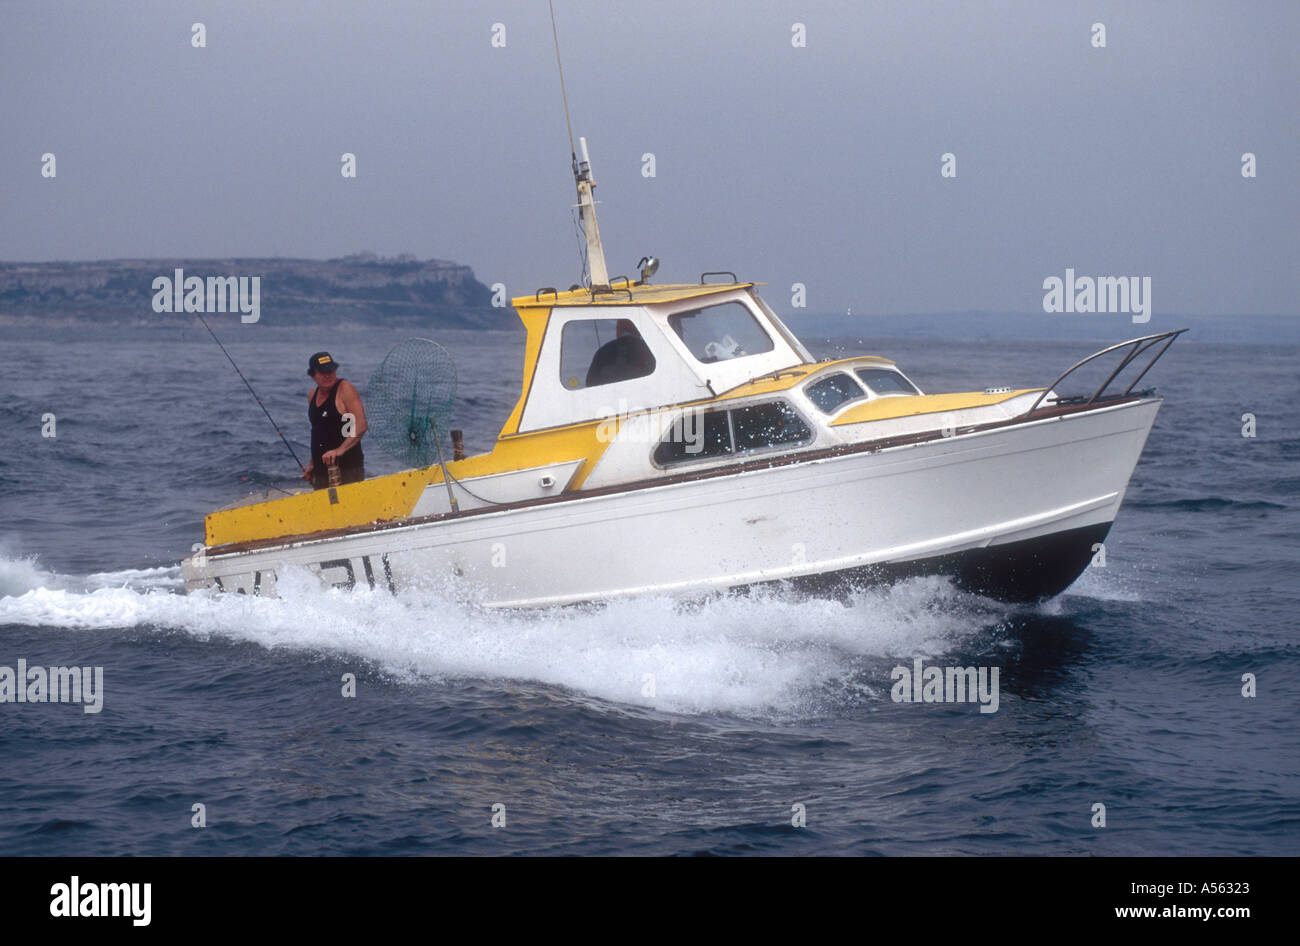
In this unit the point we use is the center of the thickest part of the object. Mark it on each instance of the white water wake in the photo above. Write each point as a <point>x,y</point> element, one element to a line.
<point>762,653</point>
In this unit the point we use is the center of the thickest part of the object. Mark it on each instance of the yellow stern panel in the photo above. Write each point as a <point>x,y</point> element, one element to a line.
<point>394,496</point>
<point>384,497</point>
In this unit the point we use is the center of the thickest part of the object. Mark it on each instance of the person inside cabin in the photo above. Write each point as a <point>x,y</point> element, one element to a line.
<point>338,421</point>
<point>626,356</point>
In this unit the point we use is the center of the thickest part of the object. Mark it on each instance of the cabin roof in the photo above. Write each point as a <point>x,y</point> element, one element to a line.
<point>629,294</point>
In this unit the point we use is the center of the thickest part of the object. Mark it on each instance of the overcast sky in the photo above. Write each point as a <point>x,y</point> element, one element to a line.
<point>818,165</point>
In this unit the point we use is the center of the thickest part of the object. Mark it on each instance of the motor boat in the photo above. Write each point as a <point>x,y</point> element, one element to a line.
<point>679,439</point>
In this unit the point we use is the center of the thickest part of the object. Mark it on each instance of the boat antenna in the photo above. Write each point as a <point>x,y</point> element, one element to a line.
<point>582,177</point>
<point>563,94</point>
<point>250,390</point>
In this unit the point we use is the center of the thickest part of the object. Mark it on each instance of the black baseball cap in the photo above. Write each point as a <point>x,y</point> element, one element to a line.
<point>321,361</point>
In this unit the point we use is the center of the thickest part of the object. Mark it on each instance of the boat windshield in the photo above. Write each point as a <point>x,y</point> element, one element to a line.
<point>884,381</point>
<point>830,392</point>
<point>721,332</point>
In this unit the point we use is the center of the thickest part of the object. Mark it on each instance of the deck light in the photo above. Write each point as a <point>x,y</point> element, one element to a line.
<point>649,265</point>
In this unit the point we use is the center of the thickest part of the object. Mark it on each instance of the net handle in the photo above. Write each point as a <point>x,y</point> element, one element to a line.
<point>446,476</point>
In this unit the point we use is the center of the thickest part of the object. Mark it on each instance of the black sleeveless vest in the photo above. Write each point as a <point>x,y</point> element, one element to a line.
<point>327,431</point>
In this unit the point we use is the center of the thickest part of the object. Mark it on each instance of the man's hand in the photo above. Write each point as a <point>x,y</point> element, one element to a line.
<point>330,456</point>
<point>306,474</point>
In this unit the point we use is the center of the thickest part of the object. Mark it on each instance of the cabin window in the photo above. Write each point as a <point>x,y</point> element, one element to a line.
<point>721,332</point>
<point>697,435</point>
<point>832,391</point>
<point>767,425</point>
<point>602,351</point>
<point>884,381</point>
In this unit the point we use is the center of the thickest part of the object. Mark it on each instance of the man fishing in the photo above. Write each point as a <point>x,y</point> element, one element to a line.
<point>338,421</point>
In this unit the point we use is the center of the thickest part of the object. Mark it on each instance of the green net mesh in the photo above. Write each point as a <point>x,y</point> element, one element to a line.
<point>408,404</point>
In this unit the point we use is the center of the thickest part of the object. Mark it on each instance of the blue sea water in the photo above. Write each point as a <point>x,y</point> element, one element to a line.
<point>1125,691</point>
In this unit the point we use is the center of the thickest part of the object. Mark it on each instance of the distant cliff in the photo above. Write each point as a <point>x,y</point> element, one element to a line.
<point>354,289</point>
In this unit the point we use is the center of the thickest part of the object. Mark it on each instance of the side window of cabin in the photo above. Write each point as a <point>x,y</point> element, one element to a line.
<point>884,381</point>
<point>721,332</point>
<point>697,435</point>
<point>830,392</point>
<point>768,425</point>
<point>602,351</point>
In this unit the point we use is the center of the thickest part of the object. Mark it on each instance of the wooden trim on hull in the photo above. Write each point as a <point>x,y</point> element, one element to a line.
<point>764,463</point>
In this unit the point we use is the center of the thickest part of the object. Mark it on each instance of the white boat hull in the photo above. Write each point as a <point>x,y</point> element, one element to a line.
<point>1014,511</point>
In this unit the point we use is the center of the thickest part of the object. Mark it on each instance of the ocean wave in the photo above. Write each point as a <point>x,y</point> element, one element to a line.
<point>1096,584</point>
<point>20,574</point>
<point>1203,504</point>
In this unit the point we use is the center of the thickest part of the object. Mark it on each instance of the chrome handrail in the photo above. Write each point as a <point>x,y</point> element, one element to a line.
<point>1145,343</point>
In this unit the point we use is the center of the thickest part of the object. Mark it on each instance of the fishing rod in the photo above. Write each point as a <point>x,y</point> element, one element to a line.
<point>250,390</point>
